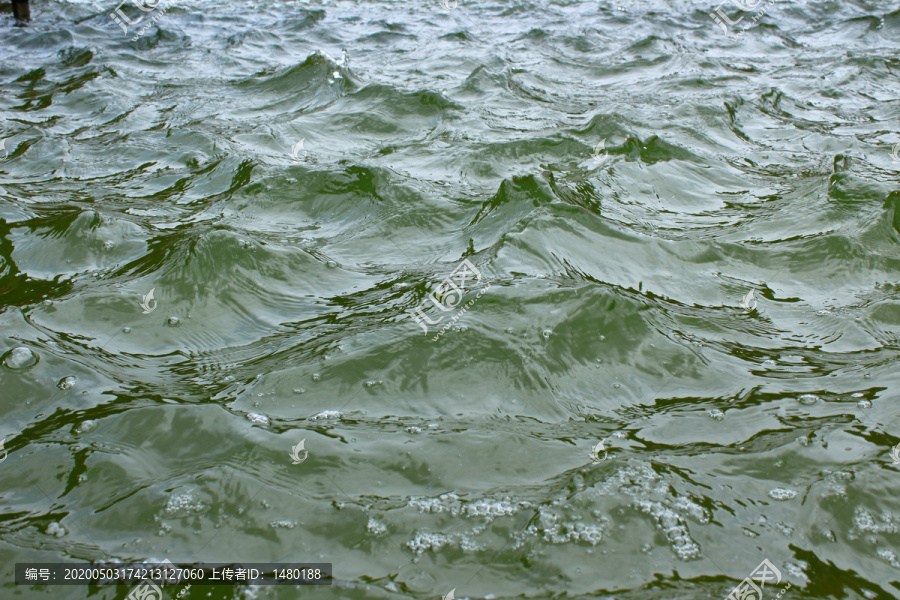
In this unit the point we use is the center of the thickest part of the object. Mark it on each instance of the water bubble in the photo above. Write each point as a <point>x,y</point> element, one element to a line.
<point>56,529</point>
<point>864,404</point>
<point>716,414</point>
<point>782,494</point>
<point>398,286</point>
<point>258,419</point>
<point>299,390</point>
<point>331,264</point>
<point>316,377</point>
<point>602,338</point>
<point>376,527</point>
<point>617,385</point>
<point>126,330</point>
<point>546,333</point>
<point>326,414</point>
<point>173,322</point>
<point>66,383</point>
<point>183,504</point>
<point>808,399</point>
<point>857,395</point>
<point>86,426</point>
<point>19,359</point>
<point>867,376</point>
<point>109,245</point>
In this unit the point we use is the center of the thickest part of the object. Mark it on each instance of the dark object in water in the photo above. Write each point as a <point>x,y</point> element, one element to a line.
<point>21,10</point>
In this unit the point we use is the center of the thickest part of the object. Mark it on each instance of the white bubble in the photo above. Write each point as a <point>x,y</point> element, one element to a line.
<point>782,494</point>
<point>183,504</point>
<point>376,527</point>
<point>19,359</point>
<point>808,399</point>
<point>716,414</point>
<point>327,414</point>
<point>86,426</point>
<point>258,419</point>
<point>66,383</point>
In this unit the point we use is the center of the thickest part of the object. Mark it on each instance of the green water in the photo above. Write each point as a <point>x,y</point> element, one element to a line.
<point>675,240</point>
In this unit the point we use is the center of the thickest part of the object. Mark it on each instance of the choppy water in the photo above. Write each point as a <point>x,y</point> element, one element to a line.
<point>621,178</point>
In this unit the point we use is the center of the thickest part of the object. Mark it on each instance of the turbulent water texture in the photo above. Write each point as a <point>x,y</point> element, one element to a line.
<point>673,353</point>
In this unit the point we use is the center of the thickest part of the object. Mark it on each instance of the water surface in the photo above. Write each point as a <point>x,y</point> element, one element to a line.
<point>687,247</point>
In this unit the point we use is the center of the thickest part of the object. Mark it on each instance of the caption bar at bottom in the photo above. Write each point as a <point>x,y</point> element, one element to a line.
<point>167,573</point>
